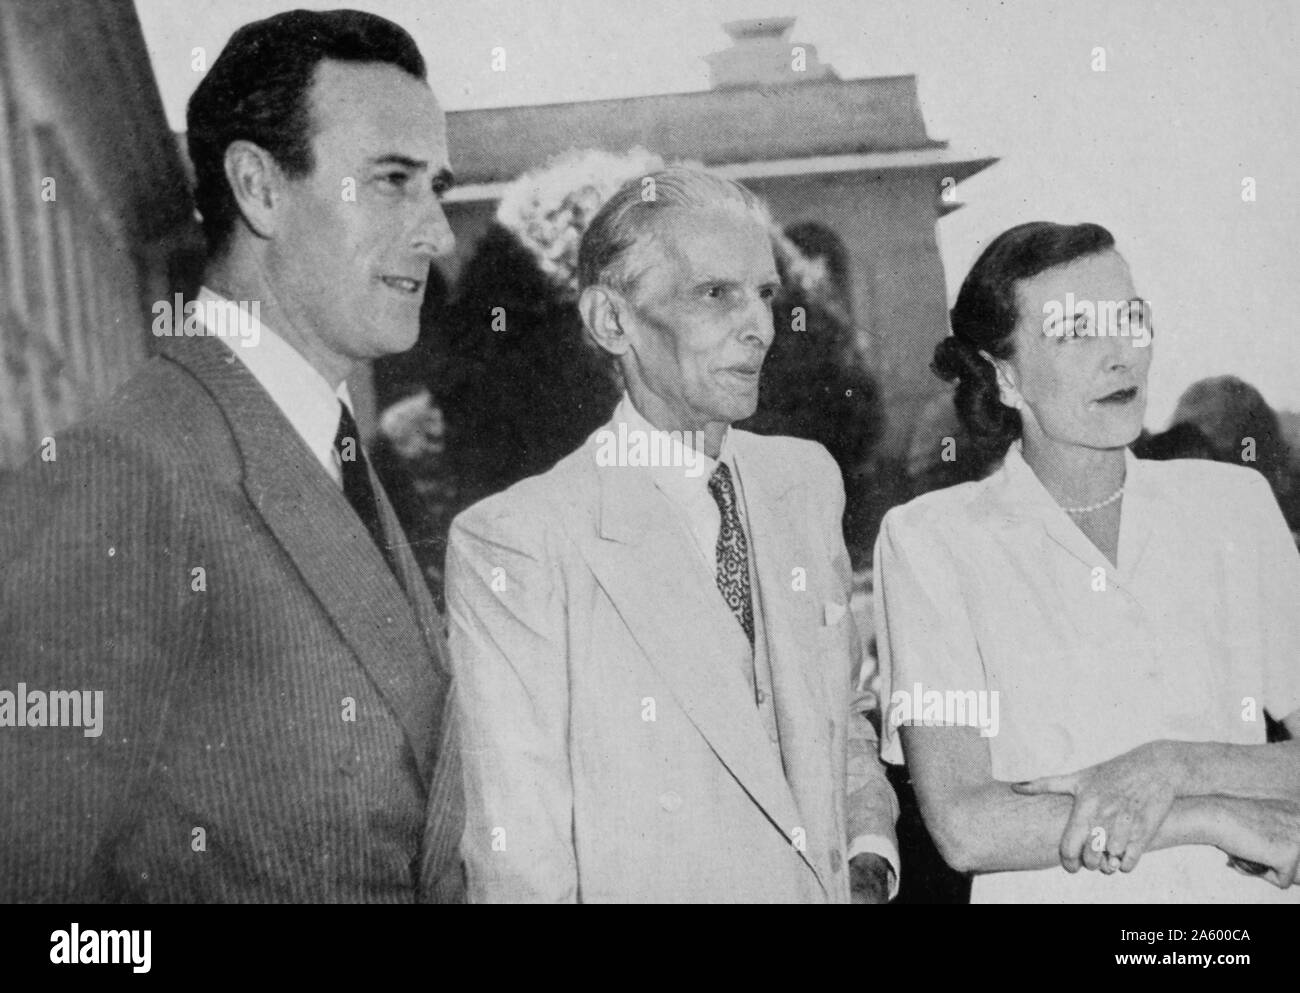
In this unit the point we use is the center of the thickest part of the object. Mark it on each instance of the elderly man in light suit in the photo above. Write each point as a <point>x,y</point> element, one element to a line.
<point>655,658</point>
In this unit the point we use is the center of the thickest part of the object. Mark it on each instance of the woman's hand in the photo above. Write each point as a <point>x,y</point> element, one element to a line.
<point>1262,831</point>
<point>1118,806</point>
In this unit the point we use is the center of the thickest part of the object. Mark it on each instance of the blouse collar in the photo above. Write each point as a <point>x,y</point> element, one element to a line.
<point>1016,496</point>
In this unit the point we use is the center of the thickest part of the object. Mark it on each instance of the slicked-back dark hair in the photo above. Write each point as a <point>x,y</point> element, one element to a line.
<point>257,90</point>
<point>984,317</point>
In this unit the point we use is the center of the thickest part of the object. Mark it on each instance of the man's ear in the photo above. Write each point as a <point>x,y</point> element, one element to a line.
<point>601,308</point>
<point>256,183</point>
<point>1008,392</point>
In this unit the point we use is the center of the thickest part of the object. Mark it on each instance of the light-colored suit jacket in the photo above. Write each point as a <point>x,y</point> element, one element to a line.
<point>611,745</point>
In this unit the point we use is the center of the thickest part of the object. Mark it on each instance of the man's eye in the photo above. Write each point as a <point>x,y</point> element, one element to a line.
<point>1135,316</point>
<point>1075,329</point>
<point>715,292</point>
<point>768,293</point>
<point>394,178</point>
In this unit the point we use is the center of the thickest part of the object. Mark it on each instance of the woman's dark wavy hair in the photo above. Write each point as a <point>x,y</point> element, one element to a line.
<point>984,318</point>
<point>257,90</point>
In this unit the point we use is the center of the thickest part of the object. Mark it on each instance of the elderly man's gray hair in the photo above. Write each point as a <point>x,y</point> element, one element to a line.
<point>628,221</point>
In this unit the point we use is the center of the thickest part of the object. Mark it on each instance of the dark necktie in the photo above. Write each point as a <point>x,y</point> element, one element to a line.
<point>732,552</point>
<point>356,482</point>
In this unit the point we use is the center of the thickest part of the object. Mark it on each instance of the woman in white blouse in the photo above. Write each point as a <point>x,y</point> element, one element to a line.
<point>1077,651</point>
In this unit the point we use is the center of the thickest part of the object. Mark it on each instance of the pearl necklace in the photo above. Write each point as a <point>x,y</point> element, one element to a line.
<point>1096,506</point>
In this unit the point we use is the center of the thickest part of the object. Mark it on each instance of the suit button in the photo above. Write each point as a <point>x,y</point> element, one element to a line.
<point>349,762</point>
<point>762,697</point>
<point>837,860</point>
<point>670,801</point>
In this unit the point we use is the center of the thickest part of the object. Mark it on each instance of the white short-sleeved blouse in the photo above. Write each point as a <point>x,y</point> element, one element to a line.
<point>990,587</point>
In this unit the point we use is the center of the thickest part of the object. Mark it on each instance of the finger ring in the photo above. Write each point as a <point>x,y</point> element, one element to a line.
<point>1098,843</point>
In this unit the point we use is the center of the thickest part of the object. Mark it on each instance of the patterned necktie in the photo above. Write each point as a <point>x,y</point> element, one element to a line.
<point>356,482</point>
<point>732,552</point>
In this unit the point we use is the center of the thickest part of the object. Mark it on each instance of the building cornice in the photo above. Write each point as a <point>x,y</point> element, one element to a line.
<point>939,161</point>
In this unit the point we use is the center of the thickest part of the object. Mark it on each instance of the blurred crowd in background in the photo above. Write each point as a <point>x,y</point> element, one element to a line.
<point>502,383</point>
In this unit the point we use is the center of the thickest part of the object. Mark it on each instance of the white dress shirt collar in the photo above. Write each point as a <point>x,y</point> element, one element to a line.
<point>303,395</point>
<point>688,490</point>
<point>672,478</point>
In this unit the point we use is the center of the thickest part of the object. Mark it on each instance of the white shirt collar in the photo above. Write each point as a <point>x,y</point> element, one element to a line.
<point>672,478</point>
<point>303,395</point>
<point>687,490</point>
<point>1025,491</point>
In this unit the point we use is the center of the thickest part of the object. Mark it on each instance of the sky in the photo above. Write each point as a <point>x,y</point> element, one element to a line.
<point>1197,99</point>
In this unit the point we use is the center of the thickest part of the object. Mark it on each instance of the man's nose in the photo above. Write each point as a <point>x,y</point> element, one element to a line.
<point>433,235</point>
<point>757,321</point>
<point>1119,352</point>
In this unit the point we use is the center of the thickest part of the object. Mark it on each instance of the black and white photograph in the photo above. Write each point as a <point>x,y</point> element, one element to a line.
<point>602,451</point>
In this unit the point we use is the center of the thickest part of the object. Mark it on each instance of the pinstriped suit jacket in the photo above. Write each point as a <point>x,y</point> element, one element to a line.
<point>272,725</point>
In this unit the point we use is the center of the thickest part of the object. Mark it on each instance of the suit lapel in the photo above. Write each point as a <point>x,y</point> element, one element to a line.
<point>317,528</point>
<point>791,620</point>
<point>412,578</point>
<point>645,562</point>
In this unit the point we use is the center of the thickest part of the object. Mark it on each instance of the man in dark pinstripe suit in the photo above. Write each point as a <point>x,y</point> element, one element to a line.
<point>212,553</point>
